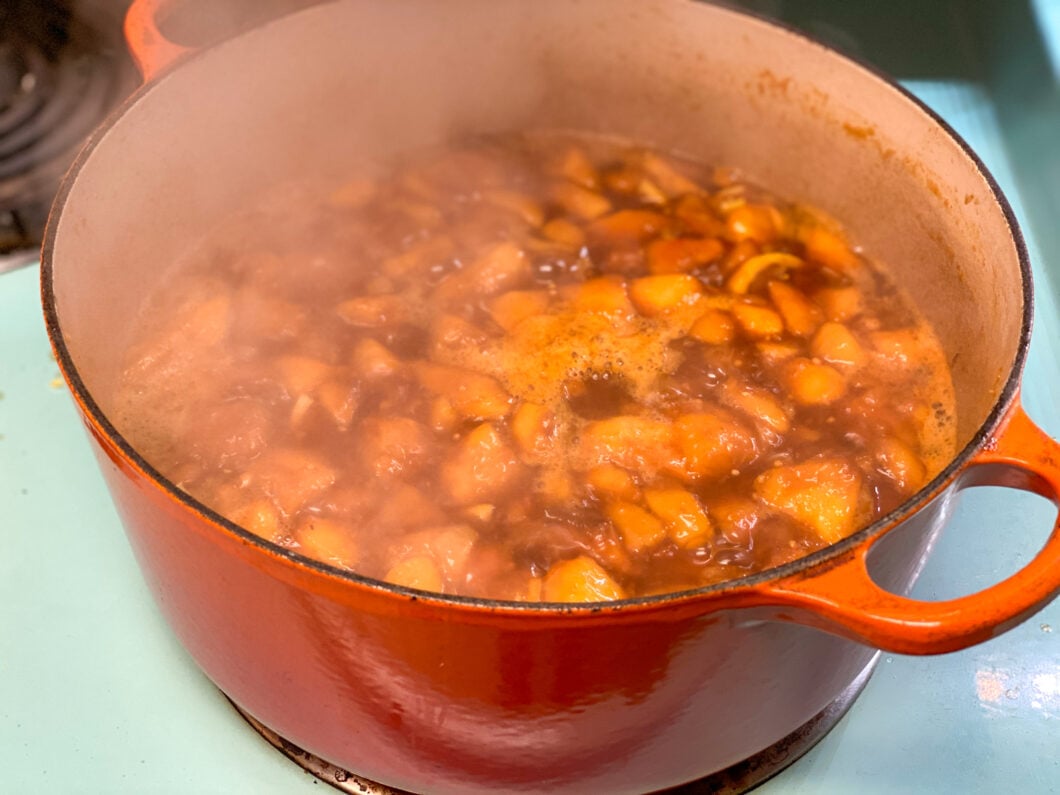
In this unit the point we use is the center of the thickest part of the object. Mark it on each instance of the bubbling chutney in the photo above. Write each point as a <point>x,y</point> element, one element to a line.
<point>538,367</point>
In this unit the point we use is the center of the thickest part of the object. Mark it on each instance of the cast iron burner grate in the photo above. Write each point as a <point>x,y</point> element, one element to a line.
<point>741,777</point>
<point>60,74</point>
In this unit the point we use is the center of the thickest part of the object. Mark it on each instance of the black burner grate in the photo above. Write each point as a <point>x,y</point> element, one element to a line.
<point>62,69</point>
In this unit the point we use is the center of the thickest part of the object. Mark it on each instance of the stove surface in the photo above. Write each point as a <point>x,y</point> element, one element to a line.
<point>96,695</point>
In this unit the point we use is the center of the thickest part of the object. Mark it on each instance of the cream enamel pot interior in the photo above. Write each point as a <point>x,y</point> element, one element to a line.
<point>444,694</point>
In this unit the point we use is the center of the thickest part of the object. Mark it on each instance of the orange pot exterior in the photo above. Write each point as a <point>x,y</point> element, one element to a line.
<point>448,695</point>
<point>437,696</point>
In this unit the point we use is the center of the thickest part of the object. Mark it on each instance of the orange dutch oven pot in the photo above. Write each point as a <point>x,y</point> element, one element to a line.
<point>444,694</point>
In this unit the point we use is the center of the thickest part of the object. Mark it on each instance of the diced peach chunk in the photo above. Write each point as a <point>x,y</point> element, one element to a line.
<point>580,202</point>
<point>574,165</point>
<point>328,541</point>
<point>736,517</point>
<point>839,303</point>
<point>901,464</point>
<point>481,512</point>
<point>712,445</point>
<point>758,321</point>
<point>299,409</point>
<point>610,551</point>
<point>650,193</point>
<point>638,528</point>
<point>395,445</point>
<point>374,311</point>
<point>899,346</point>
<point>814,384</point>
<point>801,316</point>
<point>564,232</point>
<point>759,222</point>
<point>828,248</point>
<point>482,468</point>
<point>291,476</point>
<point>822,494</point>
<point>655,295</point>
<point>453,334</point>
<point>510,309</point>
<point>606,295</point>
<point>372,360</point>
<point>301,374</point>
<point>612,481</point>
<point>519,203</point>
<point>836,344</point>
<point>420,256</point>
<point>686,521</point>
<point>697,215</point>
<point>206,323</point>
<point>419,572</point>
<point>340,400</point>
<point>628,227</point>
<point>264,317</point>
<point>449,546</point>
<point>634,443</point>
<point>759,404</point>
<point>259,517</point>
<point>667,176</point>
<point>714,327</point>
<point>402,505</point>
<point>473,395</point>
<point>580,579</point>
<point>443,417</point>
<point>554,486</point>
<point>623,179</point>
<point>682,254</point>
<point>503,267</point>
<point>533,428</point>
<point>775,352</point>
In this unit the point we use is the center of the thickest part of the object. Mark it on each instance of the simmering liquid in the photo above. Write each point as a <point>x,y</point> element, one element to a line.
<point>539,368</point>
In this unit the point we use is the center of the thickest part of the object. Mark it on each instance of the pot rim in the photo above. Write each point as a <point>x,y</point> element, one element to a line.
<point>94,414</point>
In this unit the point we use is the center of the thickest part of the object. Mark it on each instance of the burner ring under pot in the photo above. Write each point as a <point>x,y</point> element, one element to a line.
<point>62,70</point>
<point>739,778</point>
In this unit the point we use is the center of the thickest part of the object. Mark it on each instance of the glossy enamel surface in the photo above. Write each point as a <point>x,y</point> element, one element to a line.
<point>346,668</point>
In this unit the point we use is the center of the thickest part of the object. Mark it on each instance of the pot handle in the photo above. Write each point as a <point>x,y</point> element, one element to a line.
<point>151,50</point>
<point>844,600</point>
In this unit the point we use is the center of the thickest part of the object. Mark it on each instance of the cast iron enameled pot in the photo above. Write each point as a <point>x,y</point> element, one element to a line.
<point>443,694</point>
